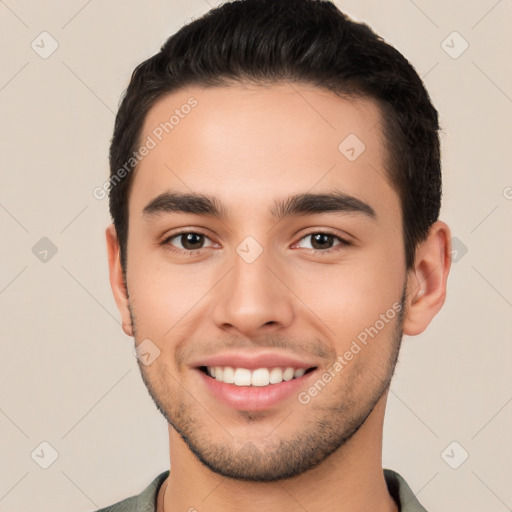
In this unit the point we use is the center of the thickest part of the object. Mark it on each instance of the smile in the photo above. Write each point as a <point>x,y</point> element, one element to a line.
<point>255,389</point>
<point>258,377</point>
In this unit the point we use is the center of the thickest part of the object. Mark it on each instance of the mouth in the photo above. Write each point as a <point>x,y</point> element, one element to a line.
<point>259,377</point>
<point>255,389</point>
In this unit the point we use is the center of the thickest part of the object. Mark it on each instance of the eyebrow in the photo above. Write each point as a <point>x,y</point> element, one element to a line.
<point>296,205</point>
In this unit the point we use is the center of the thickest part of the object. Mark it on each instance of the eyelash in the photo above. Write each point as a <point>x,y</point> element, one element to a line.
<point>343,243</point>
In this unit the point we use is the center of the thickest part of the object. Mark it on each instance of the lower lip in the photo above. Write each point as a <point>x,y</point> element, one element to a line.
<point>254,398</point>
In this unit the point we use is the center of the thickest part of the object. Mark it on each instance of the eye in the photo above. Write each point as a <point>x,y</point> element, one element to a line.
<point>189,241</point>
<point>322,241</point>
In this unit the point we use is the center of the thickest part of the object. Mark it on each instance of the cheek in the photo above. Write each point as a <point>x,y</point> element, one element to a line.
<point>351,297</point>
<point>362,312</point>
<point>167,298</point>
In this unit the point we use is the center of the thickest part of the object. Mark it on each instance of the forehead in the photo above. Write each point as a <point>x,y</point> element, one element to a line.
<point>250,144</point>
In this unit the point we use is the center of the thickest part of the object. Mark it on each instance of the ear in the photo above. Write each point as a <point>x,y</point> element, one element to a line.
<point>116,279</point>
<point>426,281</point>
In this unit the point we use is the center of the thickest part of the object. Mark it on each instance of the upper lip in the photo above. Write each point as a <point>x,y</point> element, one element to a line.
<point>253,360</point>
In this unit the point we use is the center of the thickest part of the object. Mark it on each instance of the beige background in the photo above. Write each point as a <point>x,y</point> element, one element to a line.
<point>68,375</point>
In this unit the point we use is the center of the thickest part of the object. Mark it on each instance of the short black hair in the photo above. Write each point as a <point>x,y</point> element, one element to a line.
<point>304,41</point>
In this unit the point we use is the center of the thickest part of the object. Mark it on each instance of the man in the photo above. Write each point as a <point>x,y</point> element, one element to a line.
<point>275,189</point>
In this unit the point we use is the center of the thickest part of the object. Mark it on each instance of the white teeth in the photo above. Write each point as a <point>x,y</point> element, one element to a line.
<point>288,374</point>
<point>228,375</point>
<point>299,372</point>
<point>276,376</point>
<point>259,377</point>
<point>242,377</point>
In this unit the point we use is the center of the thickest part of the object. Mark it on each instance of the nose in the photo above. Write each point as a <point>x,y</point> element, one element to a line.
<point>253,298</point>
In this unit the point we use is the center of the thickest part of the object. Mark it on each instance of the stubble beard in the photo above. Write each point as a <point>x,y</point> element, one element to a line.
<point>328,427</point>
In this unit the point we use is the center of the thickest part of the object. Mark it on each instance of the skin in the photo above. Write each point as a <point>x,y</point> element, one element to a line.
<point>249,146</point>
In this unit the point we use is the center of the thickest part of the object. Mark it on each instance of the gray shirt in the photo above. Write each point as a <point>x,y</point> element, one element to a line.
<point>146,500</point>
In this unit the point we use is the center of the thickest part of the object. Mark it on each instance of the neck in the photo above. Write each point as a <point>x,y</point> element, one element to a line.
<point>350,479</point>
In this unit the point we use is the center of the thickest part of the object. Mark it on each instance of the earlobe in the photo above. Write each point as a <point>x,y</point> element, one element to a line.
<point>116,279</point>
<point>426,281</point>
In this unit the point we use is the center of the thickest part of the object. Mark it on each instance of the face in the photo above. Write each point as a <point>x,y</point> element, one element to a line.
<point>265,243</point>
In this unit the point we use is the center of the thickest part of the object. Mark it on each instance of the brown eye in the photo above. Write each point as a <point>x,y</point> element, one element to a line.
<point>324,242</point>
<point>192,241</point>
<point>187,241</point>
